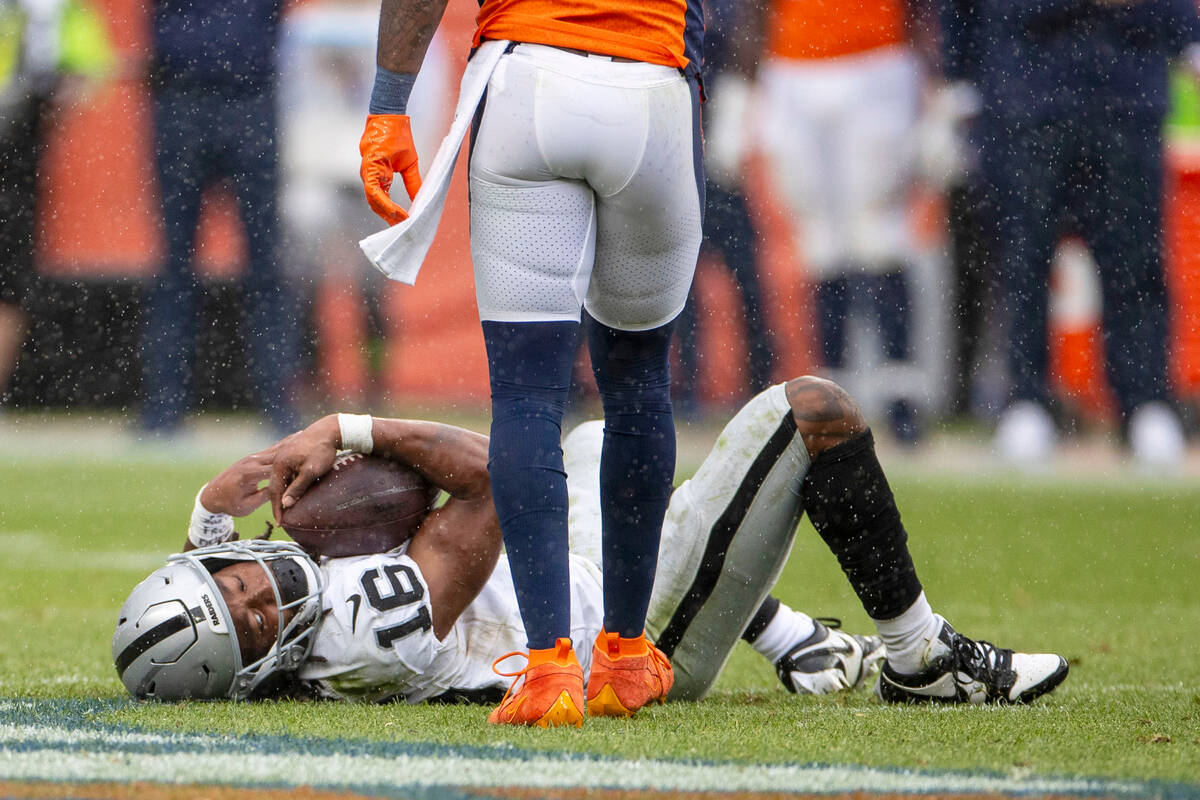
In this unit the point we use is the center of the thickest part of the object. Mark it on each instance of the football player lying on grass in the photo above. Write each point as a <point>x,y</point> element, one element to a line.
<point>428,619</point>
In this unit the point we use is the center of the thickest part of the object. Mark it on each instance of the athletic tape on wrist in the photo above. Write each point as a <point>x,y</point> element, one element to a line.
<point>208,528</point>
<point>356,432</point>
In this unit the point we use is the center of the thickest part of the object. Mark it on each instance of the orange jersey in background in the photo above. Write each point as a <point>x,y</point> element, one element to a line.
<point>654,31</point>
<point>810,29</point>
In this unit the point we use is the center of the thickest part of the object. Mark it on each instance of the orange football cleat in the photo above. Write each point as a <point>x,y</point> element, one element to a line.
<point>626,675</point>
<point>551,693</point>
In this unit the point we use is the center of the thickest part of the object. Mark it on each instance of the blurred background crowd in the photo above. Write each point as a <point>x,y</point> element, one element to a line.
<point>972,213</point>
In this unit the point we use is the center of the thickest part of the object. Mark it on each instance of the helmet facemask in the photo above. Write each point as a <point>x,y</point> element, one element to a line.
<point>297,585</point>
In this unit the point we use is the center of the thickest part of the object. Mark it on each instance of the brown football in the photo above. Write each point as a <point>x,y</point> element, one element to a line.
<point>364,505</point>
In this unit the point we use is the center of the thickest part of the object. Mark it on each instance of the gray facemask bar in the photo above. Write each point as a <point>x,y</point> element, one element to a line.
<point>288,653</point>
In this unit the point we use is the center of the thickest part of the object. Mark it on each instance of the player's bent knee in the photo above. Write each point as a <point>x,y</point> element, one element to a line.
<point>826,415</point>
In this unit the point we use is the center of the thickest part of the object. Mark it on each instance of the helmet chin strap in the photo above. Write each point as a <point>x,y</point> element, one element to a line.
<point>290,578</point>
<point>290,658</point>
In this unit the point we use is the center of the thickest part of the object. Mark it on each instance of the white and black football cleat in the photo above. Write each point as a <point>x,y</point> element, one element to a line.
<point>829,660</point>
<point>962,670</point>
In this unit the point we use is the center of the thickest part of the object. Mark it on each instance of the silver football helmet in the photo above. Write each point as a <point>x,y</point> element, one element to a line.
<point>175,638</point>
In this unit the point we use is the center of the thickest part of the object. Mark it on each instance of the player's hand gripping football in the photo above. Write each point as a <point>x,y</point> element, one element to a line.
<point>299,460</point>
<point>241,487</point>
<point>387,148</point>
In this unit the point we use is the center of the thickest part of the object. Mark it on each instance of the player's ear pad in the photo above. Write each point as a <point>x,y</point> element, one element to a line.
<point>290,578</point>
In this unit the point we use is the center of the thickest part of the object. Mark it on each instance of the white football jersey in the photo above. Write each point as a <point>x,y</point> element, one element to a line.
<point>376,640</point>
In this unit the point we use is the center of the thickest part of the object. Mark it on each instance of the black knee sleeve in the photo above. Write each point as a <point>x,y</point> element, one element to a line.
<point>851,505</point>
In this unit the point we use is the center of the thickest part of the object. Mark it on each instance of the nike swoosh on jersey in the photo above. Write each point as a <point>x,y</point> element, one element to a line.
<point>354,600</point>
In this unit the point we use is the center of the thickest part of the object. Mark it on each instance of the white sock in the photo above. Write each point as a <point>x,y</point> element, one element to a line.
<point>783,632</point>
<point>908,637</point>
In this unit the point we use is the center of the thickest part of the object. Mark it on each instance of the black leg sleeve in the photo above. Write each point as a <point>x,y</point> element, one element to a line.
<point>851,505</point>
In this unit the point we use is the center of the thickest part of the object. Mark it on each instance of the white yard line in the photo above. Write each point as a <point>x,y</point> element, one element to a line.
<point>50,753</point>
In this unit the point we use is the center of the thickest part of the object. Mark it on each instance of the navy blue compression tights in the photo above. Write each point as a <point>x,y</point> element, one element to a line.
<point>530,367</point>
<point>637,468</point>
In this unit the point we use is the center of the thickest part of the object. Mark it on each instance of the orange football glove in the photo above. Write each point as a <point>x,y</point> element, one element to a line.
<point>387,148</point>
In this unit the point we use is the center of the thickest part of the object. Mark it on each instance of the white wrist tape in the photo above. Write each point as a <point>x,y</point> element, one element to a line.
<point>207,528</point>
<point>356,432</point>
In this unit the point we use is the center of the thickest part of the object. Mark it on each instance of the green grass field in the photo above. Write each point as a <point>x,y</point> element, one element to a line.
<point>1106,573</point>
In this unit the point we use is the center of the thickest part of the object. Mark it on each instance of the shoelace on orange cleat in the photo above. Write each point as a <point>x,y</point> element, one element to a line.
<point>516,676</point>
<point>660,658</point>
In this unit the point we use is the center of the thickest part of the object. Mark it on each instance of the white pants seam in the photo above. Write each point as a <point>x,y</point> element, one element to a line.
<point>641,156</point>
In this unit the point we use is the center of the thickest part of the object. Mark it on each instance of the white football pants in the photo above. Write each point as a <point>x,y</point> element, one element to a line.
<point>840,135</point>
<point>726,537</point>
<point>585,190</point>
